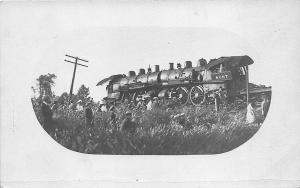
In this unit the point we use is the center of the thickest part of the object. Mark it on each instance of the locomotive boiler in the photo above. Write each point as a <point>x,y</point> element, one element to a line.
<point>188,84</point>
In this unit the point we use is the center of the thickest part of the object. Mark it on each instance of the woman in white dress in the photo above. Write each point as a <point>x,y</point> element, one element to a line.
<point>250,114</point>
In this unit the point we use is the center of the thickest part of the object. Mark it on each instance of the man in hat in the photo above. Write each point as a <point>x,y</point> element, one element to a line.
<point>48,123</point>
<point>89,115</point>
<point>149,104</point>
<point>102,106</point>
<point>265,106</point>
<point>113,115</point>
<point>155,103</point>
<point>139,102</point>
<point>131,105</point>
<point>172,103</point>
<point>56,108</point>
<point>126,102</point>
<point>142,105</point>
<point>79,106</point>
<point>55,104</point>
<point>223,96</point>
<point>73,105</point>
<point>128,125</point>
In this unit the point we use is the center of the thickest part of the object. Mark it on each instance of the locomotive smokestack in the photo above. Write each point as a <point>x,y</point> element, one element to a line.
<point>131,73</point>
<point>201,62</point>
<point>188,64</point>
<point>149,69</point>
<point>178,66</point>
<point>156,68</point>
<point>142,71</point>
<point>171,66</point>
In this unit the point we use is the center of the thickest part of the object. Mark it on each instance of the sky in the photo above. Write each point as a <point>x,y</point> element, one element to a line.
<point>115,50</point>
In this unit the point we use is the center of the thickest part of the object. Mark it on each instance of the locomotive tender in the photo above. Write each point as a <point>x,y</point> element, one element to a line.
<point>196,85</point>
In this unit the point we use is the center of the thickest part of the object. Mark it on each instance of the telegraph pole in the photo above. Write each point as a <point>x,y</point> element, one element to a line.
<point>74,71</point>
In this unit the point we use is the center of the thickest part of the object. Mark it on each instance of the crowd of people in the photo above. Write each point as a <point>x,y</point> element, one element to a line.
<point>81,137</point>
<point>50,110</point>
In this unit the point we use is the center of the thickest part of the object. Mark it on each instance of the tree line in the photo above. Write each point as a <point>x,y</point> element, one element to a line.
<point>44,87</point>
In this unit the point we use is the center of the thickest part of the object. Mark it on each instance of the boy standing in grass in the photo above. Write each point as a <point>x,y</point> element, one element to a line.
<point>149,104</point>
<point>128,125</point>
<point>89,115</point>
<point>47,113</point>
<point>155,103</point>
<point>113,115</point>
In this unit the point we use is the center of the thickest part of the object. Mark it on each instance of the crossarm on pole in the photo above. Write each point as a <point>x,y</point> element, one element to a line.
<point>77,63</point>
<point>77,58</point>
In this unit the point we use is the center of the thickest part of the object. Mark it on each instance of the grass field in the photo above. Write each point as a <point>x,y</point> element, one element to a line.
<point>199,131</point>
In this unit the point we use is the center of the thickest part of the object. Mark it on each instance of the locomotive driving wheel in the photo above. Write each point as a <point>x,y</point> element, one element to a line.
<point>197,95</point>
<point>183,95</point>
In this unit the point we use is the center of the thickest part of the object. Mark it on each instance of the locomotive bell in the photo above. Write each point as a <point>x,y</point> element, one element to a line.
<point>188,64</point>
<point>171,66</point>
<point>142,71</point>
<point>131,73</point>
<point>156,68</point>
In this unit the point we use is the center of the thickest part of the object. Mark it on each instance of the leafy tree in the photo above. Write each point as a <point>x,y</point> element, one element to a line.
<point>64,97</point>
<point>45,83</point>
<point>83,94</point>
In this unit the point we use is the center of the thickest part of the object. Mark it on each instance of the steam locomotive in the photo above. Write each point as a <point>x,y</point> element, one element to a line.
<point>196,85</point>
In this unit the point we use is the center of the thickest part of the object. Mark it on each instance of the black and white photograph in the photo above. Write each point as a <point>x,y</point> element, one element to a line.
<point>149,93</point>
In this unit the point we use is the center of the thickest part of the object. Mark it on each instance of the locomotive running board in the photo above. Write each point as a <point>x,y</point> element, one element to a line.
<point>257,90</point>
<point>138,86</point>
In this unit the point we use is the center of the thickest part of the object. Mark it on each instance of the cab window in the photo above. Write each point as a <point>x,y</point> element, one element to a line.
<point>242,71</point>
<point>219,68</point>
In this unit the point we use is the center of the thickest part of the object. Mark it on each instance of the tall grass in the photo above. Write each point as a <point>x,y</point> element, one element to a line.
<point>199,130</point>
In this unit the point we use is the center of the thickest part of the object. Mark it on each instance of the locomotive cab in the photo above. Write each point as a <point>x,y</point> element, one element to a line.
<point>229,73</point>
<point>239,70</point>
<point>239,81</point>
